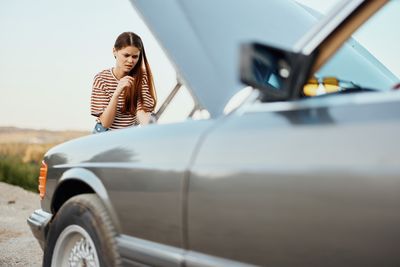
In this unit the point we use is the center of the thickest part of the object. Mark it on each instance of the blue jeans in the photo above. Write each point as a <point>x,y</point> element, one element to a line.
<point>99,128</point>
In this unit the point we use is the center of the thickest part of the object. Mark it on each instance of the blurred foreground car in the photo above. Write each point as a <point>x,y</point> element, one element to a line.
<point>300,169</point>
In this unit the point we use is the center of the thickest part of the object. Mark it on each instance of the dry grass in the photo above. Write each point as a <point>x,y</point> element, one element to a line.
<point>27,153</point>
<point>30,136</point>
<point>21,151</point>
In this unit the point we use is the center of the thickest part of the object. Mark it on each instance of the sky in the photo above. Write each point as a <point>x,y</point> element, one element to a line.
<point>51,50</point>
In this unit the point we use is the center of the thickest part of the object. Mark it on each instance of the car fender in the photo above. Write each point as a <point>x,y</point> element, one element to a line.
<point>87,177</point>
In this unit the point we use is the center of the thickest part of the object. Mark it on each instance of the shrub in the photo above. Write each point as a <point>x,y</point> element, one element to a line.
<point>14,171</point>
<point>22,150</point>
<point>20,164</point>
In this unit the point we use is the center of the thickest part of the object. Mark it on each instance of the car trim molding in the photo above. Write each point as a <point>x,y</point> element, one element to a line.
<point>195,259</point>
<point>336,27</point>
<point>312,39</point>
<point>137,250</point>
<point>111,165</point>
<point>327,101</point>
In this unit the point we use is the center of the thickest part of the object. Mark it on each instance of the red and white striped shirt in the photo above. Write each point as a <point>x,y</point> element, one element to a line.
<point>104,85</point>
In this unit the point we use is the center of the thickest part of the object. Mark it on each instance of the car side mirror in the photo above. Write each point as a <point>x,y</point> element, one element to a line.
<point>277,73</point>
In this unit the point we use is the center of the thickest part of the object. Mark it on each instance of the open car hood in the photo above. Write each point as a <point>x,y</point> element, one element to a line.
<point>203,38</point>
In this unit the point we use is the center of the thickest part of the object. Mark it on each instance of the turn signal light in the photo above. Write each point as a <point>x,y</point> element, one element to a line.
<point>42,179</point>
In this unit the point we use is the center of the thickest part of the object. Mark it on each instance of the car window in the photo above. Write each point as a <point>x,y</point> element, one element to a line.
<point>367,62</point>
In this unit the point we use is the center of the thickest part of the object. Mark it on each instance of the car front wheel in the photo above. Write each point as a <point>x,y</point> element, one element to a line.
<point>81,234</point>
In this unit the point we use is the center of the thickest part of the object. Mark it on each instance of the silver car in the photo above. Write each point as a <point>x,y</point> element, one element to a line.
<point>287,158</point>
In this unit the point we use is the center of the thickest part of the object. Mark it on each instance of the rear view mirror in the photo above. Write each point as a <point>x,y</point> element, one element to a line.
<point>274,71</point>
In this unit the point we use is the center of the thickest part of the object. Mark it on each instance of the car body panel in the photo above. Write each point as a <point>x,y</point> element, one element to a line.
<point>210,47</point>
<point>284,188</point>
<point>207,55</point>
<point>149,173</point>
<point>91,180</point>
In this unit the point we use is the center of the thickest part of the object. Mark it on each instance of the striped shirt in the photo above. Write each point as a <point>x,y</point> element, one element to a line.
<point>104,85</point>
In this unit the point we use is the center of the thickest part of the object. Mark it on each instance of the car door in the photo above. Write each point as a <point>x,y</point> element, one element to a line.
<point>312,182</point>
<point>145,180</point>
<point>312,186</point>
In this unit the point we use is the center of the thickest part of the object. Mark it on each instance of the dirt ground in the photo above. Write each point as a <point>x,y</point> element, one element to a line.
<point>18,247</point>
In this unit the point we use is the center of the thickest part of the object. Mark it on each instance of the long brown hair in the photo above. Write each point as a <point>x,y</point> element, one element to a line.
<point>141,72</point>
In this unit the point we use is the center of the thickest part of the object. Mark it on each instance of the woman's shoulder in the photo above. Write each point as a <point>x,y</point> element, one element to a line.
<point>104,74</point>
<point>102,78</point>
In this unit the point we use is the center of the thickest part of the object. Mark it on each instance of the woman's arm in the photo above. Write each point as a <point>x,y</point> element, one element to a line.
<point>108,116</point>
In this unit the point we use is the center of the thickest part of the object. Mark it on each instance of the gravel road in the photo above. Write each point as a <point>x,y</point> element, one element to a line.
<point>18,247</point>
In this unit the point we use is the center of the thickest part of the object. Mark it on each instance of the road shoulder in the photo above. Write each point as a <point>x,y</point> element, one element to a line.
<point>18,247</point>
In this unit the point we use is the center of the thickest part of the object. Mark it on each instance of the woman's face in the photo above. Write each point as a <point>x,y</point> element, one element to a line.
<point>127,58</point>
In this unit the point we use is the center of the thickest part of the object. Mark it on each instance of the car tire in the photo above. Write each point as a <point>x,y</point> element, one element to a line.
<point>81,232</point>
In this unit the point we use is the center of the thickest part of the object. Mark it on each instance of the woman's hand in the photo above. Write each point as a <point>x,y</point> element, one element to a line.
<point>107,117</point>
<point>143,117</point>
<point>124,83</point>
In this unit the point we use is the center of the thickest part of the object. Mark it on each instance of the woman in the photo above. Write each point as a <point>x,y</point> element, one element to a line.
<point>124,96</point>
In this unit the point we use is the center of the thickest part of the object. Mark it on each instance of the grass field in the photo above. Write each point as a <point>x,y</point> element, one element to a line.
<point>21,151</point>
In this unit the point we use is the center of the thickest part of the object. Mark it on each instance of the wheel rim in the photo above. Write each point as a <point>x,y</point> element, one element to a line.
<point>74,248</point>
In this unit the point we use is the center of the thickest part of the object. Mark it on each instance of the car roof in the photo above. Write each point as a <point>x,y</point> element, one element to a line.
<point>203,38</point>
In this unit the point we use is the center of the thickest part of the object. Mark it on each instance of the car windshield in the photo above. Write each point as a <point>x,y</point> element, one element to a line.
<point>366,62</point>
